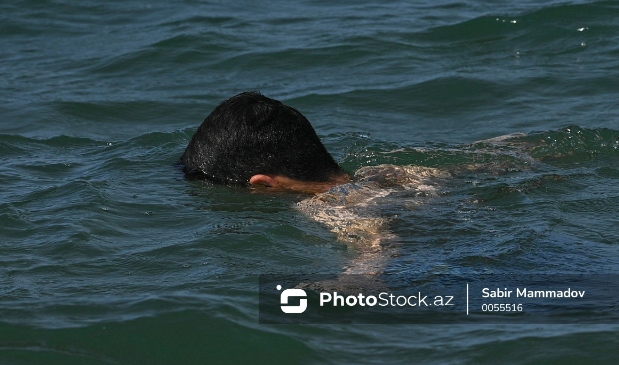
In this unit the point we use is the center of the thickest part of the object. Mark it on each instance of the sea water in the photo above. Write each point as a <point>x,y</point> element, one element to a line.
<point>109,256</point>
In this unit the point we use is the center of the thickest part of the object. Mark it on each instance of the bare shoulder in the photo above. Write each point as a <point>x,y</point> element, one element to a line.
<point>352,210</point>
<point>406,177</point>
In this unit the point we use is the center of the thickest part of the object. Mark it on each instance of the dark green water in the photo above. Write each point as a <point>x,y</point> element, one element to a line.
<point>108,256</point>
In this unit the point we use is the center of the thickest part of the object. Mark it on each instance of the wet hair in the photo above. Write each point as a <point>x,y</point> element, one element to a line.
<point>251,134</point>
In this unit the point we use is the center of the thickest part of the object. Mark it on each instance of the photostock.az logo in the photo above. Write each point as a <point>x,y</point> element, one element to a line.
<point>288,293</point>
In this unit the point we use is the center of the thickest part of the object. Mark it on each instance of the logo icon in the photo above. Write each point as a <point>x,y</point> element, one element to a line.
<point>293,293</point>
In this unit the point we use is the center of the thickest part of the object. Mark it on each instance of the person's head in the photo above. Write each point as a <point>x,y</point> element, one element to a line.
<point>250,139</point>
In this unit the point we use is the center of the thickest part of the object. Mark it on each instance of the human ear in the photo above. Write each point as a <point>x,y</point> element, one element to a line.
<point>265,180</point>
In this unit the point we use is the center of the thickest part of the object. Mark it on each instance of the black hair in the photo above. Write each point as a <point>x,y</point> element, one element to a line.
<point>251,134</point>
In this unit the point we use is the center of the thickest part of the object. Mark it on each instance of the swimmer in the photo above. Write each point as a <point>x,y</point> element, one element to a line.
<point>254,141</point>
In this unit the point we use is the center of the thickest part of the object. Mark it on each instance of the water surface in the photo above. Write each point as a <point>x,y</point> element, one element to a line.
<point>108,255</point>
